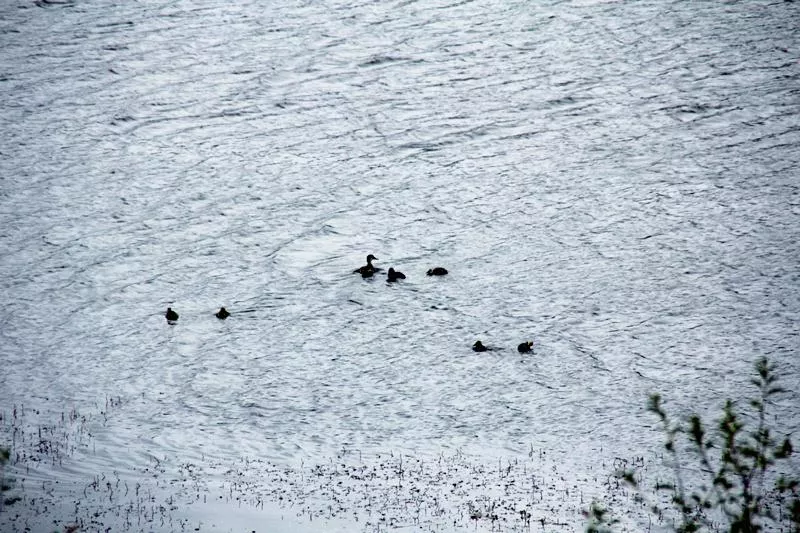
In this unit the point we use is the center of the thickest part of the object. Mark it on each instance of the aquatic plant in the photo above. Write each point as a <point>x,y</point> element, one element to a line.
<point>739,484</point>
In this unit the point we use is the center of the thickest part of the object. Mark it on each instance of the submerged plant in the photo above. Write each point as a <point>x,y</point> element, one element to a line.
<point>741,490</point>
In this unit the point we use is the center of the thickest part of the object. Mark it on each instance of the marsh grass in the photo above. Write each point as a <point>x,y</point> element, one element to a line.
<point>41,445</point>
<point>447,492</point>
<point>365,491</point>
<point>62,486</point>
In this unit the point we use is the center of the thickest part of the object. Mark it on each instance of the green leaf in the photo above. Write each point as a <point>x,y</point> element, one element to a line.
<point>697,430</point>
<point>794,509</point>
<point>762,367</point>
<point>723,482</point>
<point>785,449</point>
<point>748,451</point>
<point>627,476</point>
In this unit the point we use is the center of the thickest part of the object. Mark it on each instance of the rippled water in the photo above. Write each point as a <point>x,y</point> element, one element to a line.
<point>616,181</point>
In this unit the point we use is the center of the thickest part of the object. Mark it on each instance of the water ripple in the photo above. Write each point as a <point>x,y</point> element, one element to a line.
<point>615,182</point>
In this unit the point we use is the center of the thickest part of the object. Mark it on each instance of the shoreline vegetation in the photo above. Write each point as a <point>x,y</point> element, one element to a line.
<point>743,480</point>
<point>737,477</point>
<point>353,490</point>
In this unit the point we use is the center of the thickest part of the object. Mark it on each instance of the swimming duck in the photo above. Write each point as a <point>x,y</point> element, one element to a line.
<point>171,315</point>
<point>394,275</point>
<point>222,314</point>
<point>368,267</point>
<point>438,271</point>
<point>525,347</point>
<point>367,272</point>
<point>479,347</point>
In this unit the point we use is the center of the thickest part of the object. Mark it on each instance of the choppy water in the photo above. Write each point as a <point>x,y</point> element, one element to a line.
<point>616,181</point>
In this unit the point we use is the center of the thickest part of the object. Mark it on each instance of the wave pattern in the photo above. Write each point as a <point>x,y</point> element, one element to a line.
<point>617,182</point>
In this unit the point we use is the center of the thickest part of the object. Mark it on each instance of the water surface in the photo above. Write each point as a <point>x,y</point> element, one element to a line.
<point>616,182</point>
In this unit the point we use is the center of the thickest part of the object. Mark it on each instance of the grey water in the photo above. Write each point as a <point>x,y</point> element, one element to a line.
<point>618,182</point>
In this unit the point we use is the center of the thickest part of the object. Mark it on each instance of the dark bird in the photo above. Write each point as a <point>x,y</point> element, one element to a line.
<point>479,347</point>
<point>222,314</point>
<point>525,347</point>
<point>393,275</point>
<point>438,271</point>
<point>171,315</point>
<point>367,273</point>
<point>368,267</point>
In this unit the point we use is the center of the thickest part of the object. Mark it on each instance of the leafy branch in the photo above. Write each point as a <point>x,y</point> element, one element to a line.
<point>736,465</point>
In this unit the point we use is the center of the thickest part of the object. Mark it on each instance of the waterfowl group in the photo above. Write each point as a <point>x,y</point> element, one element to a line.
<point>524,347</point>
<point>368,271</point>
<point>392,275</point>
<point>172,316</point>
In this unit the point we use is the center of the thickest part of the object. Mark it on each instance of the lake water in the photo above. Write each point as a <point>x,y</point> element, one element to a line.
<point>618,182</point>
